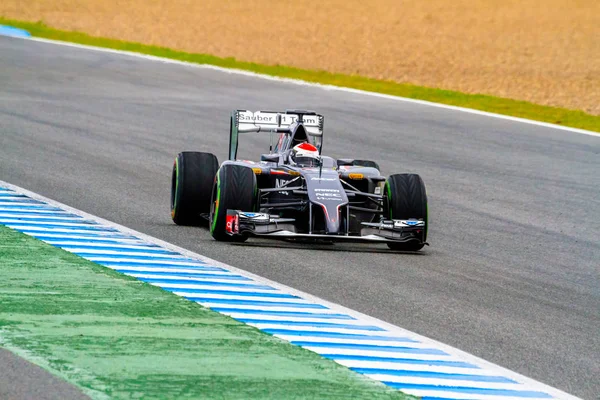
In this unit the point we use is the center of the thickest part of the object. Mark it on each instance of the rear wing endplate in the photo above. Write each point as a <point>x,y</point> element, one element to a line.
<point>244,121</point>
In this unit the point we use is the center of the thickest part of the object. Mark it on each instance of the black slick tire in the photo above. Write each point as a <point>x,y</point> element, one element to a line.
<point>234,188</point>
<point>405,198</point>
<point>191,186</point>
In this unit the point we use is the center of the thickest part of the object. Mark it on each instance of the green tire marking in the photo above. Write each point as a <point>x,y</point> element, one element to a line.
<point>216,213</point>
<point>177,194</point>
<point>389,192</point>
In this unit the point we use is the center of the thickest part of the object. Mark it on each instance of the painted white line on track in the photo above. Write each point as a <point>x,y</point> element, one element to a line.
<point>331,330</point>
<point>315,85</point>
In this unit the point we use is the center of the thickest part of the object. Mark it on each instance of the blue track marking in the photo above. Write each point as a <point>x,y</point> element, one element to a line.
<point>208,282</point>
<point>12,194</point>
<point>142,263</point>
<point>275,295</point>
<point>20,207</point>
<point>427,374</point>
<point>411,361</point>
<point>295,314</point>
<point>389,349</point>
<point>74,227</point>
<point>186,275</point>
<point>397,358</point>
<point>336,335</point>
<point>153,269</point>
<point>200,299</point>
<point>25,201</point>
<point>36,214</point>
<point>95,237</point>
<point>110,247</point>
<point>131,257</point>
<point>469,390</point>
<point>309,323</point>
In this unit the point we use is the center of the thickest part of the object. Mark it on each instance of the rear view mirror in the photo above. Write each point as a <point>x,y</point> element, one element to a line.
<point>269,157</point>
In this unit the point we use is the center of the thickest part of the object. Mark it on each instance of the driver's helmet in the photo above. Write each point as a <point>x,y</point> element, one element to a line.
<point>305,155</point>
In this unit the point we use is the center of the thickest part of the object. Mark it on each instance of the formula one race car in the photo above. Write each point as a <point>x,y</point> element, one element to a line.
<point>295,192</point>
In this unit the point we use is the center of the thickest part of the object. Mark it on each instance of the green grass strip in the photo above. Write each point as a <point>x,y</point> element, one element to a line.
<point>117,337</point>
<point>515,108</point>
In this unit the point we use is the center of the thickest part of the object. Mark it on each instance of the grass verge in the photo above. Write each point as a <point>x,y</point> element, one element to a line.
<point>117,337</point>
<point>515,108</point>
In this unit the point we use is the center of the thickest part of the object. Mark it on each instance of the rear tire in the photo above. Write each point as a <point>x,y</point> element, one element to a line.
<point>235,188</point>
<point>406,198</point>
<point>191,184</point>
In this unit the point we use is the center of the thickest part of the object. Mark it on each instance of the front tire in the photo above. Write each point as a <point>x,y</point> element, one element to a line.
<point>191,184</point>
<point>234,188</point>
<point>406,198</point>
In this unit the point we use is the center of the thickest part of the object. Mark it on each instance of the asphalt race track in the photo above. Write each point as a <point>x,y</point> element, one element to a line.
<point>513,271</point>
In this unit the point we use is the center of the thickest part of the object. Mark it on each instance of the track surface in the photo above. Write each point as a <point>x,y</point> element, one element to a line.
<point>513,272</point>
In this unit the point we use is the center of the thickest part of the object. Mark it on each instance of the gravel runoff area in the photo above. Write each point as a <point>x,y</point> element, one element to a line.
<point>544,52</point>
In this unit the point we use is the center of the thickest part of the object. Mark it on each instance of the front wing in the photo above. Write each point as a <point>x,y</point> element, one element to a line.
<point>271,226</point>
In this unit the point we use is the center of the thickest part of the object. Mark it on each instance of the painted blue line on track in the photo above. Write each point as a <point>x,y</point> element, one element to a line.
<point>336,335</point>
<point>24,200</point>
<point>83,227</point>
<point>124,268</point>
<point>28,221</point>
<point>141,263</point>
<point>436,375</point>
<point>463,389</point>
<point>297,314</point>
<point>437,363</point>
<point>207,283</point>
<point>117,257</point>
<point>12,194</point>
<point>372,347</point>
<point>289,304</point>
<point>51,221</point>
<point>438,398</point>
<point>233,293</point>
<point>32,213</point>
<point>32,210</point>
<point>92,239</point>
<point>9,207</point>
<point>187,275</point>
<point>308,323</point>
<point>6,30</point>
<point>97,238</point>
<point>108,247</point>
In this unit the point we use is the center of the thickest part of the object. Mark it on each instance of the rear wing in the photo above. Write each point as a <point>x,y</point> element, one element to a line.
<point>244,121</point>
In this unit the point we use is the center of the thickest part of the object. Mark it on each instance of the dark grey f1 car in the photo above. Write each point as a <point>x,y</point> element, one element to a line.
<point>295,192</point>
